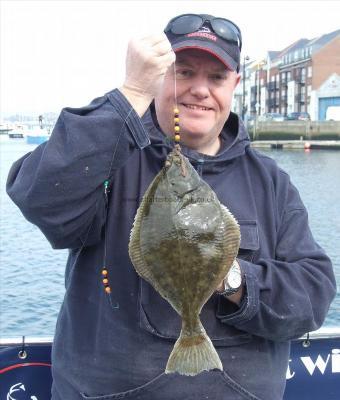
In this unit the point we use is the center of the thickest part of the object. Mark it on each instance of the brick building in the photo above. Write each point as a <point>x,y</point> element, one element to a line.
<point>303,77</point>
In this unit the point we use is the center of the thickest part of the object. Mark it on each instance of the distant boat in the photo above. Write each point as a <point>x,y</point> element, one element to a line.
<point>37,135</point>
<point>17,131</point>
<point>5,128</point>
<point>16,134</point>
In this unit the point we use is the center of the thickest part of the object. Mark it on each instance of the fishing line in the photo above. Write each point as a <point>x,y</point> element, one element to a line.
<point>175,84</point>
<point>177,136</point>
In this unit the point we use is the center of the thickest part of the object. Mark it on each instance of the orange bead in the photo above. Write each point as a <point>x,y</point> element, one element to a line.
<point>108,289</point>
<point>177,128</point>
<point>105,281</point>
<point>104,272</point>
<point>177,138</point>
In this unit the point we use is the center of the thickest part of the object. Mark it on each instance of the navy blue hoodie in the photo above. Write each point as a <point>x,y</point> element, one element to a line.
<point>112,346</point>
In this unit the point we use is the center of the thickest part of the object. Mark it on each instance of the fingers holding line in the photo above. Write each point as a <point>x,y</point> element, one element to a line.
<point>159,44</point>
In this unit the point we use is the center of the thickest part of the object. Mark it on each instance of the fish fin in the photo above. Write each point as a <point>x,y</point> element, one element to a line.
<point>192,355</point>
<point>135,252</point>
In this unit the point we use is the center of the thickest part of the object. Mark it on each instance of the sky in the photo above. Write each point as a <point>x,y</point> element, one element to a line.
<point>62,53</point>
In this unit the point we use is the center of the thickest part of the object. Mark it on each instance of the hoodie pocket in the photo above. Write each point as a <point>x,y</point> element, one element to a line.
<point>158,317</point>
<point>140,392</point>
<point>249,240</point>
<point>213,385</point>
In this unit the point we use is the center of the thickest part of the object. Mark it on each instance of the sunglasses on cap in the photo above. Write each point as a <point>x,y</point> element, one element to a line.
<point>189,23</point>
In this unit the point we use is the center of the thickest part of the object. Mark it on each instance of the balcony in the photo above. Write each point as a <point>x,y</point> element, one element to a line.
<point>271,102</point>
<point>300,98</point>
<point>272,85</point>
<point>301,79</point>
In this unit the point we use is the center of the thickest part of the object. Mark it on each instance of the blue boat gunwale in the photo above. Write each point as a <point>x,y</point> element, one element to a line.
<point>322,333</point>
<point>312,374</point>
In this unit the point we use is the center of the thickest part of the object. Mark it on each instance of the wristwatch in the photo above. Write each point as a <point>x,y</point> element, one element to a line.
<point>233,281</point>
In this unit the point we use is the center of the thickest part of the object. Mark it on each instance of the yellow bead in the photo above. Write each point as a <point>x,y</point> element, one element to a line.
<point>177,138</point>
<point>176,110</point>
<point>176,119</point>
<point>108,289</point>
<point>177,128</point>
<point>104,272</point>
<point>105,281</point>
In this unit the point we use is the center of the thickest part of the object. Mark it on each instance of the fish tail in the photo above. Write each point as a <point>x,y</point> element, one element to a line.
<point>193,354</point>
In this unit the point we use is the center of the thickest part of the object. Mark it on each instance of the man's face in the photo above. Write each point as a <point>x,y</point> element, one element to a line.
<point>204,94</point>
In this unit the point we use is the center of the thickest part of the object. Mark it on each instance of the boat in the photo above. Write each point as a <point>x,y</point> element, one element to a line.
<point>37,135</point>
<point>17,131</point>
<point>5,128</point>
<point>313,372</point>
<point>16,134</point>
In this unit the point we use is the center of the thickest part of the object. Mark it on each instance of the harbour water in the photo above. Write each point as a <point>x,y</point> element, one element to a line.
<point>32,274</point>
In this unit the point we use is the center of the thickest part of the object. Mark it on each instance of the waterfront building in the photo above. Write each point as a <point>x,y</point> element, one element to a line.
<point>303,77</point>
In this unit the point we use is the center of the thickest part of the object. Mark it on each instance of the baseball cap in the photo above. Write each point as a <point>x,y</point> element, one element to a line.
<point>218,36</point>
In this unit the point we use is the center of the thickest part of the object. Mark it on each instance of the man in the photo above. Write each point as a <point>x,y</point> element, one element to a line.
<point>83,187</point>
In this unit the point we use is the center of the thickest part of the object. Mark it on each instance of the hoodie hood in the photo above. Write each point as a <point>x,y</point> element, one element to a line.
<point>234,141</point>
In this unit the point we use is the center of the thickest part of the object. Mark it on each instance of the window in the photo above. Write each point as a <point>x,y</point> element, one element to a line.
<point>310,72</point>
<point>309,90</point>
<point>288,76</point>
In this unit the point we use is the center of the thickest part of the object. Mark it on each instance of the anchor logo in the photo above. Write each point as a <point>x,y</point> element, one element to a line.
<point>17,388</point>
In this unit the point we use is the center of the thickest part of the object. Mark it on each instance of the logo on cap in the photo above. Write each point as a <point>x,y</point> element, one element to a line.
<point>204,29</point>
<point>204,32</point>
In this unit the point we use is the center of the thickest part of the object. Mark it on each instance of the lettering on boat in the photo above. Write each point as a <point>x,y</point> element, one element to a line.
<point>321,364</point>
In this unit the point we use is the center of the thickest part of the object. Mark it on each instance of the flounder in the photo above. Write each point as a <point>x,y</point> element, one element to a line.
<point>183,242</point>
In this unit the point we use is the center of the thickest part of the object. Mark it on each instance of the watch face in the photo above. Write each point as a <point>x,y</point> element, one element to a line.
<point>234,279</point>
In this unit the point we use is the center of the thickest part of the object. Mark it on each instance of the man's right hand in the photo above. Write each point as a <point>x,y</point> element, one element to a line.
<point>147,61</point>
